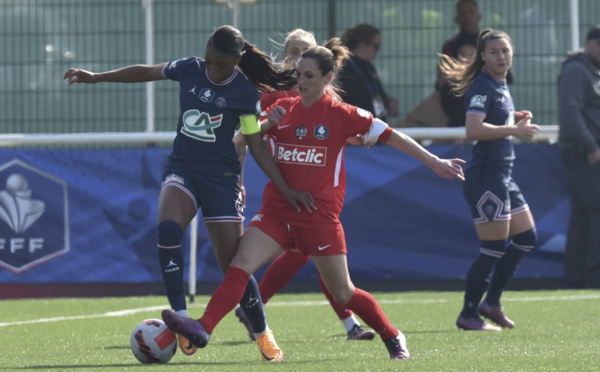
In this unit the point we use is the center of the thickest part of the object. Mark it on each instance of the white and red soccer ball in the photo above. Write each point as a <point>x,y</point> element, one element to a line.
<point>153,342</point>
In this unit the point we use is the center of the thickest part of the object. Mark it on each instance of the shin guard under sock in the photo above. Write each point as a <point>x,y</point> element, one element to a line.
<point>225,298</point>
<point>252,305</point>
<point>170,258</point>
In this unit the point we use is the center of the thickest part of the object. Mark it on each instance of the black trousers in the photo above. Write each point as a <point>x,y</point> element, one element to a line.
<point>582,253</point>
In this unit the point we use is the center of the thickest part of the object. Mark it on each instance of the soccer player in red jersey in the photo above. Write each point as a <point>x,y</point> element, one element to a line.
<point>285,266</point>
<point>312,132</point>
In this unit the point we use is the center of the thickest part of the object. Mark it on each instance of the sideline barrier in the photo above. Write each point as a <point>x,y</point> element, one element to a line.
<point>402,221</point>
<point>547,132</point>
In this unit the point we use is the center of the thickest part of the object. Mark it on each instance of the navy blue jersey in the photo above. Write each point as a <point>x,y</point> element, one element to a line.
<point>209,116</point>
<point>491,99</point>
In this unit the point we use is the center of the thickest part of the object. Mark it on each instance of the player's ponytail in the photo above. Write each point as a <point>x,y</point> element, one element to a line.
<point>340,53</point>
<point>257,66</point>
<point>263,72</point>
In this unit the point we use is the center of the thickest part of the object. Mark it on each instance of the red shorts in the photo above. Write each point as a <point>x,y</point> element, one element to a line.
<point>315,240</point>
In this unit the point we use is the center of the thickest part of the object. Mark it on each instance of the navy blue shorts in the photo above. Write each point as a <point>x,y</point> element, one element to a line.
<point>219,197</point>
<point>493,201</point>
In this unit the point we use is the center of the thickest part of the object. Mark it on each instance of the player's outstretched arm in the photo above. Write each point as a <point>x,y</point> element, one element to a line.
<point>127,74</point>
<point>445,168</point>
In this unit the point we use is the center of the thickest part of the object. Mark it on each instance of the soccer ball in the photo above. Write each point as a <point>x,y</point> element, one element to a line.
<point>153,342</point>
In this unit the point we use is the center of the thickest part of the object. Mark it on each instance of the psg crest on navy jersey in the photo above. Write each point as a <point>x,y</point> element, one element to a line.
<point>221,102</point>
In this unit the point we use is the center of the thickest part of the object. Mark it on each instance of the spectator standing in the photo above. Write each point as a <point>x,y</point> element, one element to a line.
<point>459,46</point>
<point>467,18</point>
<point>579,145</point>
<point>498,207</point>
<point>442,107</point>
<point>359,82</point>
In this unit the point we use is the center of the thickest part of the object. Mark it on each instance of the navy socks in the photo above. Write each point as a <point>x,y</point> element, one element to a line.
<point>479,274</point>
<point>170,258</point>
<point>252,305</point>
<point>508,264</point>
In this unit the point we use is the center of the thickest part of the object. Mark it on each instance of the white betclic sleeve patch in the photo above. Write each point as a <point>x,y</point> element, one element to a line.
<point>377,127</point>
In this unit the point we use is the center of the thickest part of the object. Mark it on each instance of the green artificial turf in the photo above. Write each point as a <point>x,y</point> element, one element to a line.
<point>555,331</point>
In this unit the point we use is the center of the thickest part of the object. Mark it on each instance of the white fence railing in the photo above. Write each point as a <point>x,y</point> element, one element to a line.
<point>547,133</point>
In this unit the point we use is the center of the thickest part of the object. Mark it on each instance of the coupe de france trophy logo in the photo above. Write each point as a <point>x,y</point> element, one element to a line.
<point>17,208</point>
<point>34,218</point>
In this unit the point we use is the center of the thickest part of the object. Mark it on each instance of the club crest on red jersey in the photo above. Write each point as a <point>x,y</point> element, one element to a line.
<point>321,132</point>
<point>301,132</point>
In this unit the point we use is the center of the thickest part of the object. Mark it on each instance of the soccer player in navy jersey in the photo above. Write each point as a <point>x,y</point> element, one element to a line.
<point>502,218</point>
<point>217,94</point>
<point>311,135</point>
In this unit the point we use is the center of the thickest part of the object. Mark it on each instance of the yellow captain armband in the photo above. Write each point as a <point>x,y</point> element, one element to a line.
<point>249,124</point>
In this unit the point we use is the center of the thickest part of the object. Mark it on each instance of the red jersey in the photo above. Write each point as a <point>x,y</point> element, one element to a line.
<point>267,99</point>
<point>309,146</point>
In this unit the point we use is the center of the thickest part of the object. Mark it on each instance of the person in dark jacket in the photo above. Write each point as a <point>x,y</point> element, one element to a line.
<point>359,81</point>
<point>579,146</point>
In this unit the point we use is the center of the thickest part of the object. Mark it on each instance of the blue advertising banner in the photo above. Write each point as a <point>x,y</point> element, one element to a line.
<point>89,216</point>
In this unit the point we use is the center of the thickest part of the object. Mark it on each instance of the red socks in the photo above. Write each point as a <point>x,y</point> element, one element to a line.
<point>225,298</point>
<point>367,308</point>
<point>279,273</point>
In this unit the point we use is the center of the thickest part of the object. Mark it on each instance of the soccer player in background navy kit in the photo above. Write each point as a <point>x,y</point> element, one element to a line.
<point>498,208</point>
<point>203,169</point>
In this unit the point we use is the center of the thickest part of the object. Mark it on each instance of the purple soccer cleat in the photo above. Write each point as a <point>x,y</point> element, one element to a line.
<point>358,333</point>
<point>241,315</point>
<point>396,346</point>
<point>475,324</point>
<point>495,314</point>
<point>191,329</point>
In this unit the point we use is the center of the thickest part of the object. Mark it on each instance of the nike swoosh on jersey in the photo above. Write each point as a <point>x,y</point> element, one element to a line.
<point>324,247</point>
<point>283,126</point>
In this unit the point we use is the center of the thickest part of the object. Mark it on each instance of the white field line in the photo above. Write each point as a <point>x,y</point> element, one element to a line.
<point>92,316</point>
<point>296,303</point>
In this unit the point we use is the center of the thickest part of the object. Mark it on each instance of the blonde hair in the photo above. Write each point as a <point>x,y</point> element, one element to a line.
<point>299,34</point>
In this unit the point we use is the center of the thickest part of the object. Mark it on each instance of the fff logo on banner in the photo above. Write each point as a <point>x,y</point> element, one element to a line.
<point>34,220</point>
